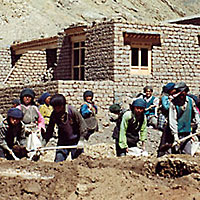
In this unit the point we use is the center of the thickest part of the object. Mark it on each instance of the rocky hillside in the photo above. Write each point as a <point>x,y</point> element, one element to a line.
<point>22,20</point>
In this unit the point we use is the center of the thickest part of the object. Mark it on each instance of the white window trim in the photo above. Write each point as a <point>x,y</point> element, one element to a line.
<point>139,70</point>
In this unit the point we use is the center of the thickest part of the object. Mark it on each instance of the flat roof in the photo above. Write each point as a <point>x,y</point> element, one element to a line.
<point>194,19</point>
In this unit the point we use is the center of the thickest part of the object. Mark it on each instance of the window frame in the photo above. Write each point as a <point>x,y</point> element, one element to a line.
<point>78,39</point>
<point>141,70</point>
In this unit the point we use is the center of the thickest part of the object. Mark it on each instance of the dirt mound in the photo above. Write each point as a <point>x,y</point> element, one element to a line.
<point>101,178</point>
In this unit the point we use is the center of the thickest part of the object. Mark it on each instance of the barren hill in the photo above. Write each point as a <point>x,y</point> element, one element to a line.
<point>22,20</point>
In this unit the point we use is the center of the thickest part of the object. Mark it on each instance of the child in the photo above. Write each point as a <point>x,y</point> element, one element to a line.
<point>12,135</point>
<point>45,108</point>
<point>88,111</point>
<point>71,128</point>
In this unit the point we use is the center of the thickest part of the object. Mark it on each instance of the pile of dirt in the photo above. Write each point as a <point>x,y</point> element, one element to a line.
<point>23,20</point>
<point>102,178</point>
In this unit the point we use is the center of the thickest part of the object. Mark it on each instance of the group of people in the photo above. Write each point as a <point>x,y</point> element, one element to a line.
<point>175,113</point>
<point>29,125</point>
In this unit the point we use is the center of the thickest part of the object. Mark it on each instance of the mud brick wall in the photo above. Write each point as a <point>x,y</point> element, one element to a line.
<point>5,63</point>
<point>72,90</point>
<point>8,93</point>
<point>99,54</point>
<point>177,59</point>
<point>64,56</point>
<point>29,68</point>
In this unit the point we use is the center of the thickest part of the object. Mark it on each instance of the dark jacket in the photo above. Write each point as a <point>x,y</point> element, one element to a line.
<point>71,127</point>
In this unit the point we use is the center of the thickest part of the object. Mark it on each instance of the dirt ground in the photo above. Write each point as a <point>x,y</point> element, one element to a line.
<point>99,174</point>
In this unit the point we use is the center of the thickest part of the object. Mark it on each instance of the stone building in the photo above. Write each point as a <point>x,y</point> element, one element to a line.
<point>123,56</point>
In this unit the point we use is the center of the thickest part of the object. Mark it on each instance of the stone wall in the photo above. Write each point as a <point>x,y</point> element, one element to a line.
<point>63,70</point>
<point>72,90</point>
<point>177,59</point>
<point>99,54</point>
<point>29,68</point>
<point>5,63</point>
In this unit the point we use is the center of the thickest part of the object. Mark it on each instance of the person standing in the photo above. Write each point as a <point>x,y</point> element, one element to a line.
<point>72,129</point>
<point>182,110</point>
<point>88,111</point>
<point>152,104</point>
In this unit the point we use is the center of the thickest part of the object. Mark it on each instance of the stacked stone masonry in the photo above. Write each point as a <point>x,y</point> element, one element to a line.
<point>5,63</point>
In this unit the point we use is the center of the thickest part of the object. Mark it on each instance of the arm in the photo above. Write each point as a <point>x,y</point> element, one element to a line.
<point>123,129</point>
<point>3,143</point>
<point>50,128</point>
<point>81,123</point>
<point>41,121</point>
<point>143,133</point>
<point>85,112</point>
<point>173,121</point>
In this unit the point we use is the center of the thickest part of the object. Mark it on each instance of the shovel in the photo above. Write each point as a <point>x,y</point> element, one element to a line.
<point>53,148</point>
<point>165,147</point>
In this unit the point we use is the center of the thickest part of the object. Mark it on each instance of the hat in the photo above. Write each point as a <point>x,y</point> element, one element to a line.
<point>181,86</point>
<point>16,101</point>
<point>27,92</point>
<point>88,93</point>
<point>139,103</point>
<point>115,108</point>
<point>42,98</point>
<point>168,87</point>
<point>15,113</point>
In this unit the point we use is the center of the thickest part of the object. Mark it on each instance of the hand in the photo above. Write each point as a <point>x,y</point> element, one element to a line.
<point>143,146</point>
<point>126,150</point>
<point>80,144</point>
<point>176,139</point>
<point>13,155</point>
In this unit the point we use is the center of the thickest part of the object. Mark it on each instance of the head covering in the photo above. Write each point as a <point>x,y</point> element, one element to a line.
<point>139,103</point>
<point>148,88</point>
<point>16,101</point>
<point>88,93</point>
<point>15,113</point>
<point>27,92</point>
<point>181,86</point>
<point>167,88</point>
<point>42,98</point>
<point>115,108</point>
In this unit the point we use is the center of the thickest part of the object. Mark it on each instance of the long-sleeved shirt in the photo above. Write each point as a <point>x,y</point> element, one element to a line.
<point>71,127</point>
<point>46,111</point>
<point>88,109</point>
<point>29,109</point>
<point>173,115</point>
<point>124,126</point>
<point>11,135</point>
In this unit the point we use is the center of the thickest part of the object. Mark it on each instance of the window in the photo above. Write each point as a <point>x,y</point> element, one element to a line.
<point>78,60</point>
<point>140,59</point>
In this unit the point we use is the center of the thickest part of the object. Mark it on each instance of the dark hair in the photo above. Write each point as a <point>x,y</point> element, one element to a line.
<point>88,93</point>
<point>148,88</point>
<point>58,100</point>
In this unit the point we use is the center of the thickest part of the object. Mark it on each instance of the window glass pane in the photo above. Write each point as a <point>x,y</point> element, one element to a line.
<point>144,57</point>
<point>76,73</point>
<point>82,56</point>
<point>134,56</point>
<point>76,44</point>
<point>82,73</point>
<point>76,57</point>
<point>82,44</point>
